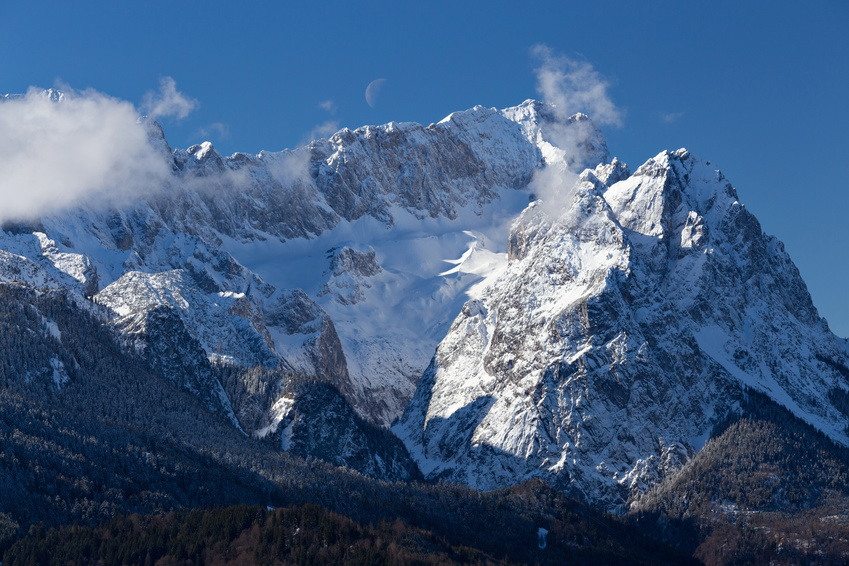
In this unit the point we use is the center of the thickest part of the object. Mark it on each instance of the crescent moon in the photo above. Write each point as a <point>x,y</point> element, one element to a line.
<point>372,91</point>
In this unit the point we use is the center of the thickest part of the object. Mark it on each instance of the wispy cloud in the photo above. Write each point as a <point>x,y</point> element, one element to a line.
<point>323,130</point>
<point>87,149</point>
<point>328,106</point>
<point>168,101</point>
<point>289,167</point>
<point>574,86</point>
<point>669,117</point>
<point>569,86</point>
<point>216,129</point>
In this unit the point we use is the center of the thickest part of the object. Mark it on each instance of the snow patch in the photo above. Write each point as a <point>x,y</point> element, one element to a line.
<point>541,535</point>
<point>279,411</point>
<point>60,376</point>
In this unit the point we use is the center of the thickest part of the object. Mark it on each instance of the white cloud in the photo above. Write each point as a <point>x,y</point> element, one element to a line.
<point>574,86</point>
<point>570,87</point>
<point>216,183</point>
<point>289,167</point>
<point>87,149</point>
<point>555,186</point>
<point>328,106</point>
<point>217,129</point>
<point>324,130</point>
<point>168,101</point>
<point>670,117</point>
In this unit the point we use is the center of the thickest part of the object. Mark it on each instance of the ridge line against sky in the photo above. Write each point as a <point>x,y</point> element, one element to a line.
<point>757,88</point>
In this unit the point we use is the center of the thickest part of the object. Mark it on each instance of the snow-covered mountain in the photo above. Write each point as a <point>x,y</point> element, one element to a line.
<point>346,259</point>
<point>623,329</point>
<point>589,328</point>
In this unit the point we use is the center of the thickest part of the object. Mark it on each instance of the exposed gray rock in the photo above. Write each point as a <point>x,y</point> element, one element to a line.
<point>349,273</point>
<point>312,419</point>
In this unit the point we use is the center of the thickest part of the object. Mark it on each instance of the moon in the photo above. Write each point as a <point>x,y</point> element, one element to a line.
<point>372,91</point>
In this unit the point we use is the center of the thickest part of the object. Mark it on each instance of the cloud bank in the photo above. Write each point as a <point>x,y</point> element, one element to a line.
<point>574,86</point>
<point>85,149</point>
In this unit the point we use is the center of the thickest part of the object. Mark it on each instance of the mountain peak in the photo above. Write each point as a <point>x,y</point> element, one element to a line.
<point>202,151</point>
<point>155,134</point>
<point>621,331</point>
<point>49,94</point>
<point>571,140</point>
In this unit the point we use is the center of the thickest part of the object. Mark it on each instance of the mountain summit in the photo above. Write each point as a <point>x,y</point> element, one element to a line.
<point>622,331</point>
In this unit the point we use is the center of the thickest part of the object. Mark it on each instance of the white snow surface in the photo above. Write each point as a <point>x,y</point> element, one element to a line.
<point>279,412</point>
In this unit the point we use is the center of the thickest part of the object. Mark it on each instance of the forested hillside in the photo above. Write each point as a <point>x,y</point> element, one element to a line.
<point>766,489</point>
<point>308,534</point>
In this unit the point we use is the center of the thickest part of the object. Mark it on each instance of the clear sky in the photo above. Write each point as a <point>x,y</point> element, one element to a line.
<point>758,88</point>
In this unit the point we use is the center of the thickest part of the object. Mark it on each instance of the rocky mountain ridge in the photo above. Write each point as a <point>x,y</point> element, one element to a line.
<point>623,329</point>
<point>606,320</point>
<point>230,254</point>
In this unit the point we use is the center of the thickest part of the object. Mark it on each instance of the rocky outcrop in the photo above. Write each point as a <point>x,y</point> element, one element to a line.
<point>350,271</point>
<point>160,337</point>
<point>312,419</point>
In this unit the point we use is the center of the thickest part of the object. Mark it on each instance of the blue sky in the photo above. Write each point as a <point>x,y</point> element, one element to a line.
<point>758,88</point>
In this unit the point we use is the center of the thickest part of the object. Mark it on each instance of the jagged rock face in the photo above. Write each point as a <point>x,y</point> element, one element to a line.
<point>350,271</point>
<point>35,260</point>
<point>367,171</point>
<point>574,141</point>
<point>162,339</point>
<point>312,419</point>
<point>621,331</point>
<point>313,345</point>
<point>463,161</point>
<point>226,325</point>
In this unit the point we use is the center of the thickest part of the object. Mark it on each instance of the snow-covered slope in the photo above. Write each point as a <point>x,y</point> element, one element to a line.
<point>621,331</point>
<point>345,260</point>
